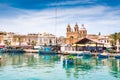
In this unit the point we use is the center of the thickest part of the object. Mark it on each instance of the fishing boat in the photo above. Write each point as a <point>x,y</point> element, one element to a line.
<point>2,50</point>
<point>69,60</point>
<point>80,54</point>
<point>15,51</point>
<point>46,50</point>
<point>87,55</point>
<point>117,56</point>
<point>103,55</point>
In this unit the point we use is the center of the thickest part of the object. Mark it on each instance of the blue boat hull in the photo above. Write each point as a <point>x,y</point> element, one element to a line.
<point>117,57</point>
<point>11,51</point>
<point>45,52</point>
<point>87,55</point>
<point>80,54</point>
<point>102,56</point>
<point>68,61</point>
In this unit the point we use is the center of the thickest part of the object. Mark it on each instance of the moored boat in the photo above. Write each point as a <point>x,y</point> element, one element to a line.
<point>117,56</point>
<point>69,60</point>
<point>87,55</point>
<point>103,55</point>
<point>46,50</point>
<point>2,50</point>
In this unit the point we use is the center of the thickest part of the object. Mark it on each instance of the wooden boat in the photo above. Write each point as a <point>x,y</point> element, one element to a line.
<point>46,50</point>
<point>69,60</point>
<point>81,54</point>
<point>103,55</point>
<point>87,55</point>
<point>117,56</point>
<point>2,50</point>
<point>20,51</point>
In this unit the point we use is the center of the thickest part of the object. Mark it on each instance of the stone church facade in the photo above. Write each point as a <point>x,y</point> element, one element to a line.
<point>73,35</point>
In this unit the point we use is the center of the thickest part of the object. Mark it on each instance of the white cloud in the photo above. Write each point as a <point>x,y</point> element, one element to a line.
<point>96,19</point>
<point>71,2</point>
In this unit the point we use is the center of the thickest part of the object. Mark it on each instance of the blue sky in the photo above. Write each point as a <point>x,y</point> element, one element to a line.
<point>33,16</point>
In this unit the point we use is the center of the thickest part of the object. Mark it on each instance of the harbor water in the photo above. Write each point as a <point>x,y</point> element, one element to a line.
<point>32,66</point>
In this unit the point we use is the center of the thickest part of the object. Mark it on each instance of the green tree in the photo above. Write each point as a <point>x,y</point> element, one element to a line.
<point>7,43</point>
<point>99,33</point>
<point>19,40</point>
<point>33,43</point>
<point>114,38</point>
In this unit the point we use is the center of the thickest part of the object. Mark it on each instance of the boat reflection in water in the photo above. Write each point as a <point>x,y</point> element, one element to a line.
<point>50,67</point>
<point>115,67</point>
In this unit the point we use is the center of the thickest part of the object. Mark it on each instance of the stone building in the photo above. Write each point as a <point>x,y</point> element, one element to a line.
<point>74,35</point>
<point>32,39</point>
<point>19,40</point>
<point>46,39</point>
<point>6,38</point>
<point>2,35</point>
<point>105,40</point>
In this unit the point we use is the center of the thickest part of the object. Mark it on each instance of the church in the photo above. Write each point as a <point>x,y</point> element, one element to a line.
<point>73,35</point>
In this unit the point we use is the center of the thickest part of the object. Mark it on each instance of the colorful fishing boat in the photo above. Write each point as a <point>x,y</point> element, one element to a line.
<point>46,50</point>
<point>103,55</point>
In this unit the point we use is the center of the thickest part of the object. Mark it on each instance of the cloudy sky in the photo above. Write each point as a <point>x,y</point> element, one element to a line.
<point>52,16</point>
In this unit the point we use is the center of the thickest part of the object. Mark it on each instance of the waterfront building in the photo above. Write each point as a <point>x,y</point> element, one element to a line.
<point>105,40</point>
<point>2,34</point>
<point>1,40</point>
<point>46,39</point>
<point>60,40</point>
<point>32,39</point>
<point>8,38</point>
<point>74,35</point>
<point>86,44</point>
<point>19,40</point>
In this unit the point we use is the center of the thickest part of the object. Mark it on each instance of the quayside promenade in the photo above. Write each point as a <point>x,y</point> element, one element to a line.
<point>93,53</point>
<point>73,52</point>
<point>31,51</point>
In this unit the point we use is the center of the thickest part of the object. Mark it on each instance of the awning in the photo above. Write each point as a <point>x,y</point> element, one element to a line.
<point>85,45</point>
<point>78,45</point>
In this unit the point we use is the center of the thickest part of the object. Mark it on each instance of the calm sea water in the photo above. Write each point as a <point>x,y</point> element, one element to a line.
<point>50,67</point>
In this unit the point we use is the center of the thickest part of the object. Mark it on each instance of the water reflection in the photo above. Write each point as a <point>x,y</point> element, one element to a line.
<point>85,66</point>
<point>48,63</point>
<point>115,67</point>
<point>29,59</point>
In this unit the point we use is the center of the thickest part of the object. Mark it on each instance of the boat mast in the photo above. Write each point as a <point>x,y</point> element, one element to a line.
<point>56,23</point>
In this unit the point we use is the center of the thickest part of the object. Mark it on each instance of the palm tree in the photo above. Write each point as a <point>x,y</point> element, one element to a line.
<point>7,43</point>
<point>115,39</point>
<point>19,40</point>
<point>33,43</point>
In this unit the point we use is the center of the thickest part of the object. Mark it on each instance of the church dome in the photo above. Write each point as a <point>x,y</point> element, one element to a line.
<point>82,28</point>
